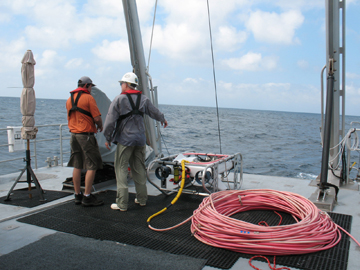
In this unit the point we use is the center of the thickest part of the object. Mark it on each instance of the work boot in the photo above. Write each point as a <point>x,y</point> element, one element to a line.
<point>78,198</point>
<point>91,201</point>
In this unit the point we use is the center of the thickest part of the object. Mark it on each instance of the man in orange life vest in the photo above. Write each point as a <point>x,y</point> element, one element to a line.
<point>84,120</point>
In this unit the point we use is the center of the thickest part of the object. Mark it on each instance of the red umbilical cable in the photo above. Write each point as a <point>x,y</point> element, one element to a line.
<point>314,230</point>
<point>268,262</point>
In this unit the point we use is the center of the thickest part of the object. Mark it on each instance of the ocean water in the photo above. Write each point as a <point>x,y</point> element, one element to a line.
<point>271,143</point>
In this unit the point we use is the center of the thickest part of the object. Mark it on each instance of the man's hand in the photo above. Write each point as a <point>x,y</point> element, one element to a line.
<point>108,144</point>
<point>98,122</point>
<point>165,124</point>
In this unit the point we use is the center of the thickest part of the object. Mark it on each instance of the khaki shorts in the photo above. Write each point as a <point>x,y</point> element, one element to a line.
<point>85,152</point>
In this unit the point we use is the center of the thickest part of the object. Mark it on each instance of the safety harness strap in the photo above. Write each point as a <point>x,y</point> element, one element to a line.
<point>75,107</point>
<point>135,109</point>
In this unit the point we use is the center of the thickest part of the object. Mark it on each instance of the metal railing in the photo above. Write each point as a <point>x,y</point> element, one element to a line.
<point>35,142</point>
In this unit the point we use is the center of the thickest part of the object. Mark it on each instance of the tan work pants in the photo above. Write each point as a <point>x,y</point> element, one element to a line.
<point>135,156</point>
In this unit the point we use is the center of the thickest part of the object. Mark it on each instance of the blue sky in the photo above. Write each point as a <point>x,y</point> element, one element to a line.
<point>268,53</point>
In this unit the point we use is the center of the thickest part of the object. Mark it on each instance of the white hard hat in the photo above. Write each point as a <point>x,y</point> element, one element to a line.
<point>130,78</point>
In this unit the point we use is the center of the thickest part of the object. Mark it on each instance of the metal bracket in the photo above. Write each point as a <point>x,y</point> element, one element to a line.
<point>331,66</point>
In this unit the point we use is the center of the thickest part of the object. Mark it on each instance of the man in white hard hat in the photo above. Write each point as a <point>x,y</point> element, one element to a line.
<point>124,126</point>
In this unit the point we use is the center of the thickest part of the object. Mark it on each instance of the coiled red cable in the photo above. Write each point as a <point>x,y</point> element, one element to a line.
<point>314,230</point>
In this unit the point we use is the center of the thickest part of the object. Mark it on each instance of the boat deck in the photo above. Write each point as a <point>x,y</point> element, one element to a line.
<point>15,235</point>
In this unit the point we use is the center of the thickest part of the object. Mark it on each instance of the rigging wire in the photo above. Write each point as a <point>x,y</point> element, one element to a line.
<point>152,33</point>
<point>148,66</point>
<point>213,64</point>
<point>162,137</point>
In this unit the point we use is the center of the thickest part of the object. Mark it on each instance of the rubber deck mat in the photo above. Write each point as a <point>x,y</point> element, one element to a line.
<point>131,228</point>
<point>102,175</point>
<point>20,197</point>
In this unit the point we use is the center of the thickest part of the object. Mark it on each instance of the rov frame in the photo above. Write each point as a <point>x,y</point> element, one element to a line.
<point>205,173</point>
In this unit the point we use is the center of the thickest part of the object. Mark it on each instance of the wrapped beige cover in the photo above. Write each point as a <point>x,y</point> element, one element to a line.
<point>27,100</point>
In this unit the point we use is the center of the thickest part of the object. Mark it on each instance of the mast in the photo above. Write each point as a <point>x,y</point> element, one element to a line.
<point>335,63</point>
<point>335,102</point>
<point>334,126</point>
<point>139,66</point>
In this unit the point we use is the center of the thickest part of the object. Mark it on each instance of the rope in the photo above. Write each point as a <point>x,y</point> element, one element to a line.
<point>213,64</point>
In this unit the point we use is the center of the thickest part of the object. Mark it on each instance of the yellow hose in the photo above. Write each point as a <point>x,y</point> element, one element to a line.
<point>352,166</point>
<point>182,184</point>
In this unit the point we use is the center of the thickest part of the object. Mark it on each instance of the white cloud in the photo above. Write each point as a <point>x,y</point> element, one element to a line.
<point>112,8</point>
<point>353,91</point>
<point>4,17</point>
<point>102,71</point>
<point>74,63</point>
<point>352,75</point>
<point>183,31</point>
<point>179,41</point>
<point>251,62</point>
<point>189,91</point>
<point>271,27</point>
<point>60,23</point>
<point>269,62</point>
<point>229,39</point>
<point>47,62</point>
<point>19,6</point>
<point>303,64</point>
<point>348,2</point>
<point>303,4</point>
<point>113,51</point>
<point>49,58</point>
<point>68,32</point>
<point>12,53</point>
<point>352,99</point>
<point>195,12</point>
<point>191,80</point>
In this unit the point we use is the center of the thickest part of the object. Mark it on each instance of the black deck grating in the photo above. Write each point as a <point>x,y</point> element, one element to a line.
<point>131,228</point>
<point>20,197</point>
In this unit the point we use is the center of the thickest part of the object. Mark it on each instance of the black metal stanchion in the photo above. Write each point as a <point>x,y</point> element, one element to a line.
<point>30,177</point>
